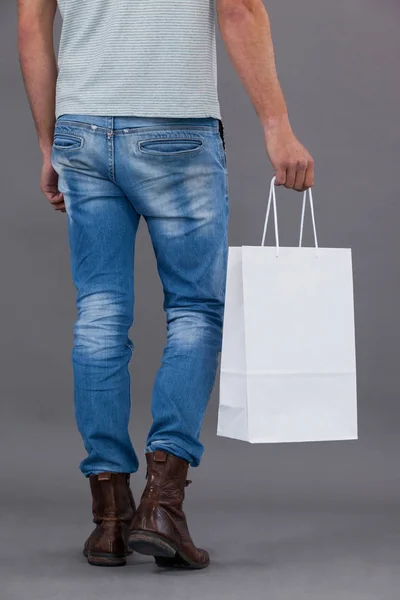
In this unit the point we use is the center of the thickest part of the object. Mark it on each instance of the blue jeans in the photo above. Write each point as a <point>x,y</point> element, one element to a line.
<point>173,172</point>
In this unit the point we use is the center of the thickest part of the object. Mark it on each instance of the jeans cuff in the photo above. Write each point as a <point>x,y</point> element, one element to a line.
<point>106,469</point>
<point>172,448</point>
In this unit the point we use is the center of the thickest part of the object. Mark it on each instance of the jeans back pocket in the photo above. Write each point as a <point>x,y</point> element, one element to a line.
<point>67,141</point>
<point>170,147</point>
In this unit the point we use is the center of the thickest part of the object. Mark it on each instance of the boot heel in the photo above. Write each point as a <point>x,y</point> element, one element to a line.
<point>98,559</point>
<point>151,544</point>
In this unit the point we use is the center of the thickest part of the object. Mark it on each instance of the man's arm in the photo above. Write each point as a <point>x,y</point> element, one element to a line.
<point>245,29</point>
<point>39,72</point>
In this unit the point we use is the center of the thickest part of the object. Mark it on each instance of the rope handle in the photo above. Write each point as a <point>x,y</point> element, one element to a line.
<point>272,201</point>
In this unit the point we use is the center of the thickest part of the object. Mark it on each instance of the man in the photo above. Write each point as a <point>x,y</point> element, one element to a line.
<point>129,126</point>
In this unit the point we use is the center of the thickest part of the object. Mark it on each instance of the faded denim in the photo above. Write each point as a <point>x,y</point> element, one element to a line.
<point>173,173</point>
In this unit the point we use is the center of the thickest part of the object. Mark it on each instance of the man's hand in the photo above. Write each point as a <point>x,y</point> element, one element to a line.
<point>49,186</point>
<point>293,164</point>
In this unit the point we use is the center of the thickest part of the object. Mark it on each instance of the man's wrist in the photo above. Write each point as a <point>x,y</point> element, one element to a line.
<point>276,123</point>
<point>46,150</point>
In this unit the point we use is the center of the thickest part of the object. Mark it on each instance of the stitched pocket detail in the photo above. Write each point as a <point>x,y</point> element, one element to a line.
<point>171,147</point>
<point>67,141</point>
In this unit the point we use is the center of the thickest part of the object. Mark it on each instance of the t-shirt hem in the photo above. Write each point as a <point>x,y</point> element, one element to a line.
<point>124,111</point>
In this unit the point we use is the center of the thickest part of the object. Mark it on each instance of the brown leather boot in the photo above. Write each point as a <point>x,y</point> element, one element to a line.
<point>113,510</point>
<point>159,527</point>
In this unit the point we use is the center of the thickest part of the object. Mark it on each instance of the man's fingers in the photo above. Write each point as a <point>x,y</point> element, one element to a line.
<point>309,177</point>
<point>280,176</point>
<point>54,197</point>
<point>300,176</point>
<point>290,176</point>
<point>59,205</point>
<point>56,200</point>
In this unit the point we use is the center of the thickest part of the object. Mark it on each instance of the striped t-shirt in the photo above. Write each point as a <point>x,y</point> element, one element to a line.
<point>138,57</point>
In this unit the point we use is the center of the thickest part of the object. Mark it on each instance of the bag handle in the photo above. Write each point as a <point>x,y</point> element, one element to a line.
<point>272,200</point>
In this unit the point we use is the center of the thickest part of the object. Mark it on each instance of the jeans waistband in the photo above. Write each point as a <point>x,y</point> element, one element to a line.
<point>119,122</point>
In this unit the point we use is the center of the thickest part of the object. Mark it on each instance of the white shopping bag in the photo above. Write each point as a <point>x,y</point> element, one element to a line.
<point>288,365</point>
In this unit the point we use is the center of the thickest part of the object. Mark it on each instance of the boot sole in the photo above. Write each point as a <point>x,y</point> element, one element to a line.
<point>165,552</point>
<point>102,559</point>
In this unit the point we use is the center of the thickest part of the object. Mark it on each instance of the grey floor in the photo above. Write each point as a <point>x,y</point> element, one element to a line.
<point>257,554</point>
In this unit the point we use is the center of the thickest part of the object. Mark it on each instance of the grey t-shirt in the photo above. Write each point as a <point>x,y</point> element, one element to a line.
<point>138,57</point>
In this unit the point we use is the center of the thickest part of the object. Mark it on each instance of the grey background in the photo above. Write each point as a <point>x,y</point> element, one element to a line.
<point>292,520</point>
